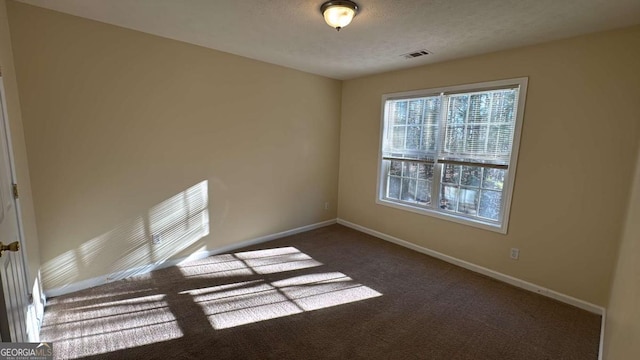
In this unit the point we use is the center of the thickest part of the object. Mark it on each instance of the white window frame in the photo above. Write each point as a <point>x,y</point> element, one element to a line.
<point>502,224</point>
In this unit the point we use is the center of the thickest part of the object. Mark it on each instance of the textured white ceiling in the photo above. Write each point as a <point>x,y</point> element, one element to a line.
<point>292,33</point>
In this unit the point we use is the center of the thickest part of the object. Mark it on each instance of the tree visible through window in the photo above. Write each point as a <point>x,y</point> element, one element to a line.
<point>451,152</point>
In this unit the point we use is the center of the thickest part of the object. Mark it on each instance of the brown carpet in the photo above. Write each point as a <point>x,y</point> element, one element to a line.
<point>330,293</point>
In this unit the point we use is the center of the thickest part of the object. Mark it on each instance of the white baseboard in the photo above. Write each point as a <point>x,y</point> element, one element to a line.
<point>481,270</point>
<point>100,280</point>
<point>603,323</point>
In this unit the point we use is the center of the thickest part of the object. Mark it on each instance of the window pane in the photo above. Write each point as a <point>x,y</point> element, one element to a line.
<point>397,139</point>
<point>448,197</point>
<point>423,195</point>
<point>480,107</point>
<point>493,179</point>
<point>428,138</point>
<point>490,204</point>
<point>468,201</point>
<point>394,188</point>
<point>504,106</point>
<point>416,108</point>
<point>409,181</point>
<point>432,111</point>
<point>399,112</point>
<point>451,174</point>
<point>457,110</point>
<point>396,168</point>
<point>410,169</point>
<point>413,137</point>
<point>500,139</point>
<point>471,175</point>
<point>454,139</point>
<point>425,171</point>
<point>485,129</point>
<point>476,139</point>
<point>408,190</point>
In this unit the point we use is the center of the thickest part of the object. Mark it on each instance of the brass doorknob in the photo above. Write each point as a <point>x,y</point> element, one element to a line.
<point>14,246</point>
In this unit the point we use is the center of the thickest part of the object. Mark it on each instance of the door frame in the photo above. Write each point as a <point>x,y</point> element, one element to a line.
<point>14,181</point>
<point>29,314</point>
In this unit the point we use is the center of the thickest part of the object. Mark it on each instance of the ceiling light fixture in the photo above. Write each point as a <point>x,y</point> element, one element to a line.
<point>339,14</point>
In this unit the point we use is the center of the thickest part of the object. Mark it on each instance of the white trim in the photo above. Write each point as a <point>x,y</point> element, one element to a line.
<point>14,180</point>
<point>500,226</point>
<point>602,325</point>
<point>104,279</point>
<point>31,313</point>
<point>599,310</point>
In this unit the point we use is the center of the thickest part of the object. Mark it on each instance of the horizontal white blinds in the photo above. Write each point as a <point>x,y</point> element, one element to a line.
<point>470,128</point>
<point>412,128</point>
<point>479,126</point>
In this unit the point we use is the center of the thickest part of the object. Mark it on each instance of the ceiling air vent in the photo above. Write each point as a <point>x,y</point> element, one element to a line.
<point>415,54</point>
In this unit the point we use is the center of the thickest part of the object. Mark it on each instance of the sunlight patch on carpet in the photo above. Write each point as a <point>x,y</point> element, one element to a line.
<point>115,325</point>
<point>251,302</point>
<point>247,263</point>
<point>222,291</point>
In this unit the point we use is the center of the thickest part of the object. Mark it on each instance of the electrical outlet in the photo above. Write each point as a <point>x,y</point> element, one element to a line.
<point>156,239</point>
<point>515,253</point>
<point>326,205</point>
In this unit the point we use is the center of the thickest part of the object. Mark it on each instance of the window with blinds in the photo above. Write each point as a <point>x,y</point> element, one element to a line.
<point>451,152</point>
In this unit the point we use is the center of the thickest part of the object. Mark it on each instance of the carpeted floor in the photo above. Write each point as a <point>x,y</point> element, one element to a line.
<point>331,293</point>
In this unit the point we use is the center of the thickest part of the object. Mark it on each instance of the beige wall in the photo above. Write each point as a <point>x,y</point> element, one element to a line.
<point>19,149</point>
<point>127,132</point>
<point>578,146</point>
<point>623,315</point>
<point>130,134</point>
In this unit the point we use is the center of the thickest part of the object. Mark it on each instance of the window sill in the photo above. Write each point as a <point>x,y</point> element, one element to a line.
<point>502,229</point>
